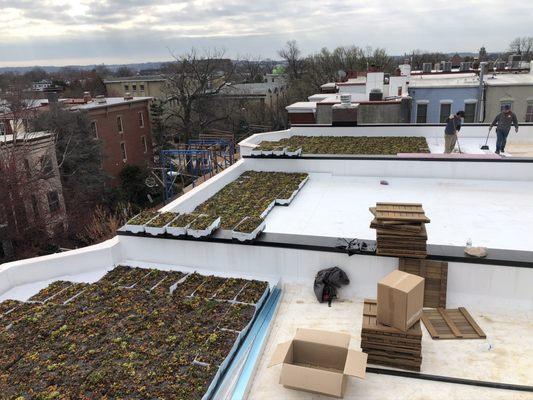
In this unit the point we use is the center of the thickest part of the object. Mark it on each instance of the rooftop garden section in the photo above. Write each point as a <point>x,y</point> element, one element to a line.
<point>358,145</point>
<point>136,334</point>
<point>252,194</point>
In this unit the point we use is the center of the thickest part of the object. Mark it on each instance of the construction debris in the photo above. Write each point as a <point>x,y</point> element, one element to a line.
<point>451,324</point>
<point>401,229</point>
<point>389,346</point>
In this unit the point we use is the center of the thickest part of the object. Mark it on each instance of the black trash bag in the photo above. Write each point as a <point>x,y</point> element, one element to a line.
<point>327,281</point>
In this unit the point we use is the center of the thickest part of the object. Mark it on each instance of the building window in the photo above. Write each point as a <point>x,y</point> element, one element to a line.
<point>142,88</point>
<point>94,129</point>
<point>421,113</point>
<point>145,145</point>
<point>470,112</point>
<point>119,124</point>
<point>35,206</point>
<point>445,111</point>
<point>53,201</point>
<point>2,131</point>
<point>27,168</point>
<point>506,103</point>
<point>47,166</point>
<point>123,150</point>
<point>141,119</point>
<point>126,88</point>
<point>529,111</point>
<point>134,87</point>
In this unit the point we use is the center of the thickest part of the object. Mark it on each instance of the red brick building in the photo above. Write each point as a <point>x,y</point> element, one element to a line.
<point>123,125</point>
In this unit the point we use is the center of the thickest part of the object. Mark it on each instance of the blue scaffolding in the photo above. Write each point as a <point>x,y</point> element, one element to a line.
<point>200,158</point>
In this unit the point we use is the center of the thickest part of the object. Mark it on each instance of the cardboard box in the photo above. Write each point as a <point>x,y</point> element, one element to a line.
<point>319,362</point>
<point>400,300</point>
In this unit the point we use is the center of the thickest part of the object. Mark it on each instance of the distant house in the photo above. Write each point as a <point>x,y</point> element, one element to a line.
<point>31,192</point>
<point>437,96</point>
<point>137,86</point>
<point>123,125</point>
<point>41,86</point>
<point>456,60</point>
<point>515,90</point>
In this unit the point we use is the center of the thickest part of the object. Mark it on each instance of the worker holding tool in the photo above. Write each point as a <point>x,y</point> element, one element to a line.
<point>453,126</point>
<point>503,122</point>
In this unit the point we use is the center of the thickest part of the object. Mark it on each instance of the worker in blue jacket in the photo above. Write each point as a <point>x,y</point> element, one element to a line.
<point>453,126</point>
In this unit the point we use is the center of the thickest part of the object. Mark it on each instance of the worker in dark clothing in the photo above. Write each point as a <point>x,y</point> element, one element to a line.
<point>453,126</point>
<point>503,122</point>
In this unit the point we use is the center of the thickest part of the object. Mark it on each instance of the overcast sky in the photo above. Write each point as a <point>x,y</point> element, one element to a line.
<point>62,32</point>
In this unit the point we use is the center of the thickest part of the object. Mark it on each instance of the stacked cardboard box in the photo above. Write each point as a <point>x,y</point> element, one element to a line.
<point>391,333</point>
<point>400,229</point>
<point>390,346</point>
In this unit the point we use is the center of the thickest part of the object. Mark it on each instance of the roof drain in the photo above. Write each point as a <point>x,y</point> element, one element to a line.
<point>449,379</point>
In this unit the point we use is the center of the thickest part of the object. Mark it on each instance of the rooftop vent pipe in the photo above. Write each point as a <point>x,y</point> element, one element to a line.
<point>346,99</point>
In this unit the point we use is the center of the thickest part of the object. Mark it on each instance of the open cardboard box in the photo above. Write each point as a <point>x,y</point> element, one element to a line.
<point>318,361</point>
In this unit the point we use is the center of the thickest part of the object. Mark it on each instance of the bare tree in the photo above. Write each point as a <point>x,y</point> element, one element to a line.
<point>251,68</point>
<point>523,46</point>
<point>193,82</point>
<point>292,56</point>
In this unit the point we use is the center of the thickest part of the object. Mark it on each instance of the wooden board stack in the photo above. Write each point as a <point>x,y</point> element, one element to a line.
<point>435,274</point>
<point>389,346</point>
<point>400,229</point>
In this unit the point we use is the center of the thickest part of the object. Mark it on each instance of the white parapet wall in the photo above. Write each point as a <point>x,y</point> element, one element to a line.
<point>100,256</point>
<point>468,284</point>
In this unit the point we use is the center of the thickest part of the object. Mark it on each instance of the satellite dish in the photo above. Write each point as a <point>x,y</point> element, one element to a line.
<point>341,74</point>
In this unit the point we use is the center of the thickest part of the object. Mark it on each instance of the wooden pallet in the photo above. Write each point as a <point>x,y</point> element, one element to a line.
<point>392,363</point>
<point>435,274</point>
<point>451,324</point>
<point>399,212</point>
<point>371,324</point>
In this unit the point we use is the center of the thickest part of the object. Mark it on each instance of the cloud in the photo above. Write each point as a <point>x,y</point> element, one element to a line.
<point>133,30</point>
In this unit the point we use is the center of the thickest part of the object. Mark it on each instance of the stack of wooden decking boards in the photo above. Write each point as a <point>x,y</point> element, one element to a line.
<point>400,229</point>
<point>389,346</point>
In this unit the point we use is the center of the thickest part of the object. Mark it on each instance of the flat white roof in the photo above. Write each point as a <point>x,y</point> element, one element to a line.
<point>499,358</point>
<point>25,136</point>
<point>302,106</point>
<point>494,214</point>
<point>523,79</point>
<point>110,101</point>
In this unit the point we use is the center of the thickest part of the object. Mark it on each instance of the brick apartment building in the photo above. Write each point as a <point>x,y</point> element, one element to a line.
<point>123,125</point>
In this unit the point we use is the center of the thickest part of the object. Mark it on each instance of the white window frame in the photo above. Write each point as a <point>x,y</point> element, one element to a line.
<point>426,102</point>
<point>123,152</point>
<point>121,130</point>
<point>445,101</point>
<point>529,103</point>
<point>141,114</point>
<point>145,144</point>
<point>472,101</point>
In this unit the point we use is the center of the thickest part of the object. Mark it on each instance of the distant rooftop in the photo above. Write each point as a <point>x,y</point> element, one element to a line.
<point>28,136</point>
<point>509,79</point>
<point>109,101</point>
<point>136,78</point>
